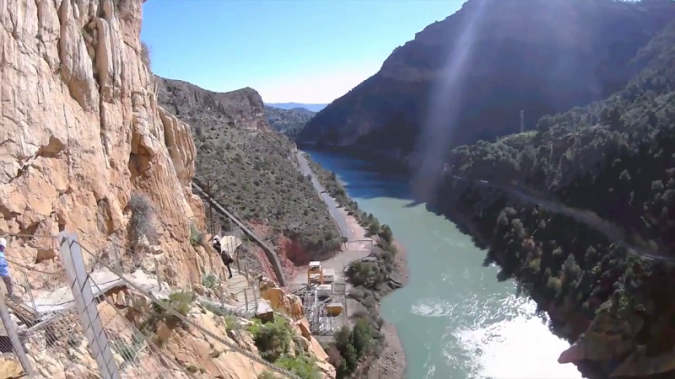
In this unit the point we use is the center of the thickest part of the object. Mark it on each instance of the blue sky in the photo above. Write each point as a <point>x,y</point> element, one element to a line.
<point>309,51</point>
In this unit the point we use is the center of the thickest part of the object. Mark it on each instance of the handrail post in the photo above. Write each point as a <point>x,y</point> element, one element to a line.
<point>238,264</point>
<point>80,286</point>
<point>10,327</point>
<point>255,301</point>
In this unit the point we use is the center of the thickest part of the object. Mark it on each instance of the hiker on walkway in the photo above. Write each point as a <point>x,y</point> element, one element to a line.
<point>227,260</point>
<point>4,270</point>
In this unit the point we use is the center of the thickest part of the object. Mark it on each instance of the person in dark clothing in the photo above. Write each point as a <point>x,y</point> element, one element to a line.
<point>215,242</point>
<point>227,260</point>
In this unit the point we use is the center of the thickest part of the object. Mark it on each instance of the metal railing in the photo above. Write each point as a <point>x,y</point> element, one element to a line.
<point>82,317</point>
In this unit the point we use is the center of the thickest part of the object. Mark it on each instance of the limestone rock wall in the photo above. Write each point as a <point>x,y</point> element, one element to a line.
<point>81,131</point>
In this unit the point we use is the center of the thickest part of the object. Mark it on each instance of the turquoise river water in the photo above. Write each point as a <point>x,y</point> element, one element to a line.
<point>454,318</point>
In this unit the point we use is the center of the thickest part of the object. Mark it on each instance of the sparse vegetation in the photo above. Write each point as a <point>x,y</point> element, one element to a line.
<point>210,280</point>
<point>301,365</point>
<point>231,323</point>
<point>274,340</point>
<point>352,345</point>
<point>141,222</point>
<point>145,55</point>
<point>196,236</point>
<point>250,168</point>
<point>267,375</point>
<point>181,302</point>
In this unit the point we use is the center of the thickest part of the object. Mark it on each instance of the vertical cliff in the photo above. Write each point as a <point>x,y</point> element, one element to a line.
<point>81,132</point>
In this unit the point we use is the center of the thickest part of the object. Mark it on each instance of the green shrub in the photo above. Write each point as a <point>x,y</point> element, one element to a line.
<point>181,302</point>
<point>273,338</point>
<point>196,236</point>
<point>302,365</point>
<point>210,280</point>
<point>231,323</point>
<point>141,220</point>
<point>353,345</point>
<point>362,274</point>
<point>267,375</point>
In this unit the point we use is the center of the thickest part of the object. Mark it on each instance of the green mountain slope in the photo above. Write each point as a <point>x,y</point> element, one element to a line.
<point>287,121</point>
<point>607,271</point>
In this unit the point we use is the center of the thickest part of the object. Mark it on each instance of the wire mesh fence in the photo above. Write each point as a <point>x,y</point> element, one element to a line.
<point>173,333</point>
<point>82,312</point>
<point>123,312</point>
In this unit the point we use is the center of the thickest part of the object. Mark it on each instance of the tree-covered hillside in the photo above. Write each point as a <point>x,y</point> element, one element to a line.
<point>287,121</point>
<point>601,259</point>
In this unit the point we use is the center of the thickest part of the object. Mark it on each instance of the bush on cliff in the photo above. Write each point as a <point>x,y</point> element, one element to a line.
<point>141,221</point>
<point>145,55</point>
<point>274,341</point>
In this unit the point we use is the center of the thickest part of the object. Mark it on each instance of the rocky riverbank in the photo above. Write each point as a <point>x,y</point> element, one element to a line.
<point>391,363</point>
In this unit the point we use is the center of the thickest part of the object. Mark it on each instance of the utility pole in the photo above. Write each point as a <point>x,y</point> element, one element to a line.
<point>522,121</point>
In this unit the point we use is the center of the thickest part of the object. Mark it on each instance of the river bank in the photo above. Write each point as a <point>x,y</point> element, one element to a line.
<point>391,361</point>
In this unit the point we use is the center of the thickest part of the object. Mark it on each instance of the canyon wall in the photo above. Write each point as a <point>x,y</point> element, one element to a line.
<point>81,132</point>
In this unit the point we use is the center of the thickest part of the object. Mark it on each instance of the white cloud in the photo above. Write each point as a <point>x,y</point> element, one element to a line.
<point>319,87</point>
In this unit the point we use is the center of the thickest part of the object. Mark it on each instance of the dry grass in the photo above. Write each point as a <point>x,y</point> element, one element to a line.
<point>141,220</point>
<point>145,55</point>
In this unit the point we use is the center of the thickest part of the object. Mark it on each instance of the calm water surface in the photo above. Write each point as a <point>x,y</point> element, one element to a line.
<point>454,319</point>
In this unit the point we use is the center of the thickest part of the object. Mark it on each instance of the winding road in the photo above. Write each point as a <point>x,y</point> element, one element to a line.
<point>353,250</point>
<point>331,204</point>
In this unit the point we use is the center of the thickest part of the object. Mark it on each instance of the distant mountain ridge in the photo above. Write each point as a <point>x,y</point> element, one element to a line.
<point>494,58</point>
<point>287,121</point>
<point>310,107</point>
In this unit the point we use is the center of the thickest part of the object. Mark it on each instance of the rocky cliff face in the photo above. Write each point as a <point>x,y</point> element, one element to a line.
<point>468,77</point>
<point>242,108</point>
<point>81,137</point>
<point>81,131</point>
